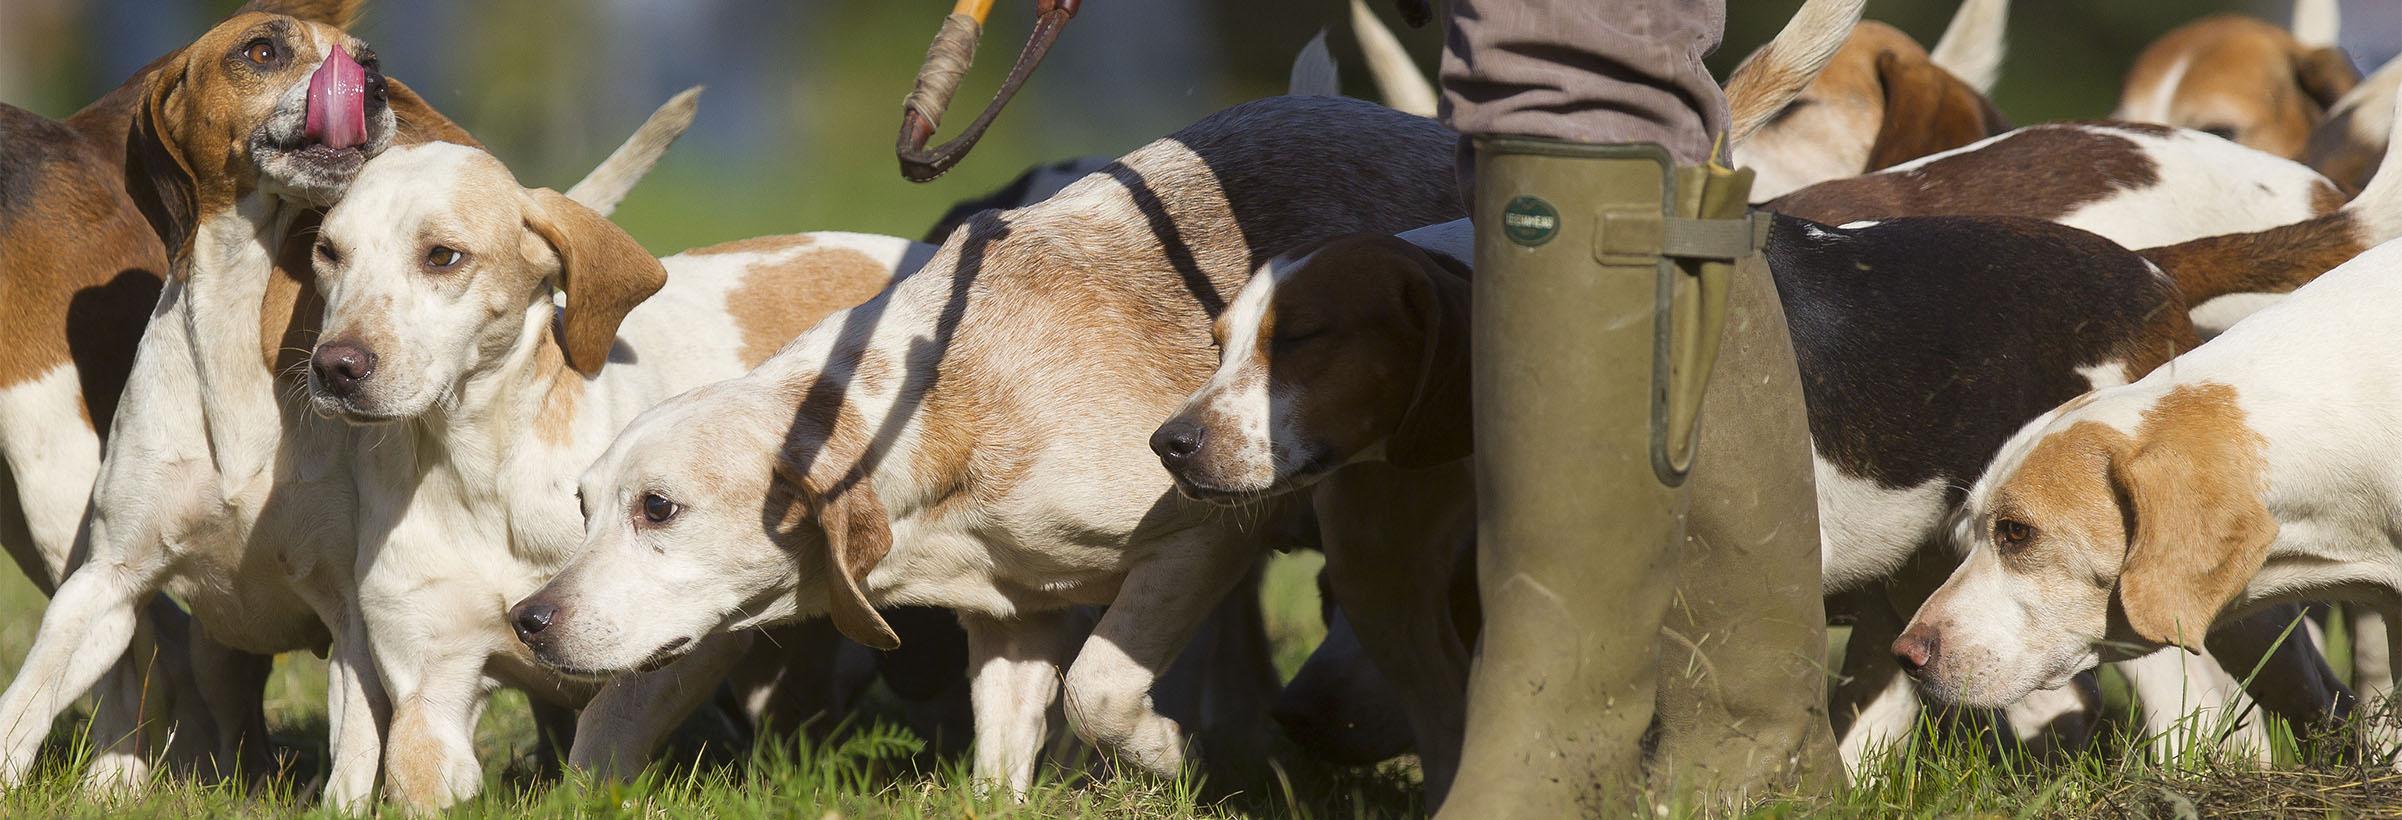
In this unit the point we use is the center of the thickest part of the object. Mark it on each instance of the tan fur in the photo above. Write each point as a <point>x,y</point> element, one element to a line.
<point>604,272</point>
<point>79,273</point>
<point>2194,478</point>
<point>755,244</point>
<point>2276,260</point>
<point>2191,479</point>
<point>2243,76</point>
<point>778,300</point>
<point>556,423</point>
<point>1927,110</point>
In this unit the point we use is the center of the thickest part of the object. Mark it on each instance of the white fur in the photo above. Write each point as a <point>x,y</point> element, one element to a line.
<point>2317,23</point>
<point>469,505</point>
<point>2208,186</point>
<point>2163,99</point>
<point>2314,378</point>
<point>1974,43</point>
<point>1870,530</point>
<point>1398,80</point>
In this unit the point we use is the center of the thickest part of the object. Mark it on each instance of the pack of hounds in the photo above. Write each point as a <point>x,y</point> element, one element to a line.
<point>288,362</point>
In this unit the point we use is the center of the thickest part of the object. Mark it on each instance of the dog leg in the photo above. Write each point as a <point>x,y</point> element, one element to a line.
<point>2293,682</point>
<point>429,759</point>
<point>624,724</point>
<point>1873,704</point>
<point>1158,608</point>
<point>1390,537</point>
<point>2189,700</point>
<point>84,631</point>
<point>127,710</point>
<point>232,685</point>
<point>1014,665</point>
<point>357,711</point>
<point>2372,665</point>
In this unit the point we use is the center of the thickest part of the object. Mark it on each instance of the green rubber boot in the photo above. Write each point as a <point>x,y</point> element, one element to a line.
<point>1579,474</point>
<point>1743,669</point>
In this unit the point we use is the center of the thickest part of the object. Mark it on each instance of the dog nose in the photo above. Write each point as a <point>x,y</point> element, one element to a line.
<point>1916,649</point>
<point>1176,442</point>
<point>341,366</point>
<point>530,617</point>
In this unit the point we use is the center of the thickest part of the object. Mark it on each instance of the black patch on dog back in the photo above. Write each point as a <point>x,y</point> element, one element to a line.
<point>1925,343</point>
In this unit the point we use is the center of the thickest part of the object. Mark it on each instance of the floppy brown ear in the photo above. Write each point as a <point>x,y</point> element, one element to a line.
<point>1435,429</point>
<point>1927,110</point>
<point>156,174</point>
<point>414,121</point>
<point>857,537</point>
<point>2199,530</point>
<point>604,271</point>
<point>2326,74</point>
<point>336,13</point>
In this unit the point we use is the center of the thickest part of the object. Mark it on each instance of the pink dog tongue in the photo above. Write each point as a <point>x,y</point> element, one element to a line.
<point>337,115</point>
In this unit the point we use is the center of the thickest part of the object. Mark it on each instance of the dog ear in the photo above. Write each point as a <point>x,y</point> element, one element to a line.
<point>2326,74</point>
<point>414,121</point>
<point>336,13</point>
<point>2198,528</point>
<point>603,270</point>
<point>858,535</point>
<point>1435,428</point>
<point>157,176</point>
<point>1927,110</point>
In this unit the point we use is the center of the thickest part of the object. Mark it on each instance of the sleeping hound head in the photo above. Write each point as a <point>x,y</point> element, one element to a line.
<point>1353,350</point>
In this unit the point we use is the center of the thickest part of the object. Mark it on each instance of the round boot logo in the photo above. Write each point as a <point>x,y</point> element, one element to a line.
<point>1529,221</point>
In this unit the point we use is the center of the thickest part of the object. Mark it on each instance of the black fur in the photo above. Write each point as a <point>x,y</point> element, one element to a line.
<point>1924,343</point>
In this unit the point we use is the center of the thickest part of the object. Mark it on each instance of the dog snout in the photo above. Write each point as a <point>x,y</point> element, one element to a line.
<point>1916,649</point>
<point>530,617</point>
<point>1176,442</point>
<point>342,365</point>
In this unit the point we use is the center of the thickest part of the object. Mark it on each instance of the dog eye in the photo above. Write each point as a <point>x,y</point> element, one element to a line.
<point>327,254</point>
<point>2225,132</point>
<point>260,51</point>
<point>657,509</point>
<point>2012,534</point>
<point>443,258</point>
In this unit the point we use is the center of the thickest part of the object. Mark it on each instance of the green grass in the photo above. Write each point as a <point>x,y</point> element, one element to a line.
<point>873,769</point>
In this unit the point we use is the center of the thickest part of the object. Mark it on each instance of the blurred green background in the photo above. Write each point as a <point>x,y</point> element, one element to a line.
<point>795,132</point>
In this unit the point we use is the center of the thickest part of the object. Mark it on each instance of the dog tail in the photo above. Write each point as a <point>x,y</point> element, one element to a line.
<point>2317,23</point>
<point>1772,77</point>
<point>1973,45</point>
<point>2378,208</point>
<point>1314,73</point>
<point>616,176</point>
<point>2280,259</point>
<point>2348,145</point>
<point>336,13</point>
<point>1404,88</point>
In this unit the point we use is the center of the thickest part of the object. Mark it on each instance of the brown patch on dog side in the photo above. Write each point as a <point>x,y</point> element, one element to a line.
<point>779,299</point>
<point>2244,77</point>
<point>2276,260</point>
<point>2195,480</point>
<point>2040,172</point>
<point>80,269</point>
<point>756,244</point>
